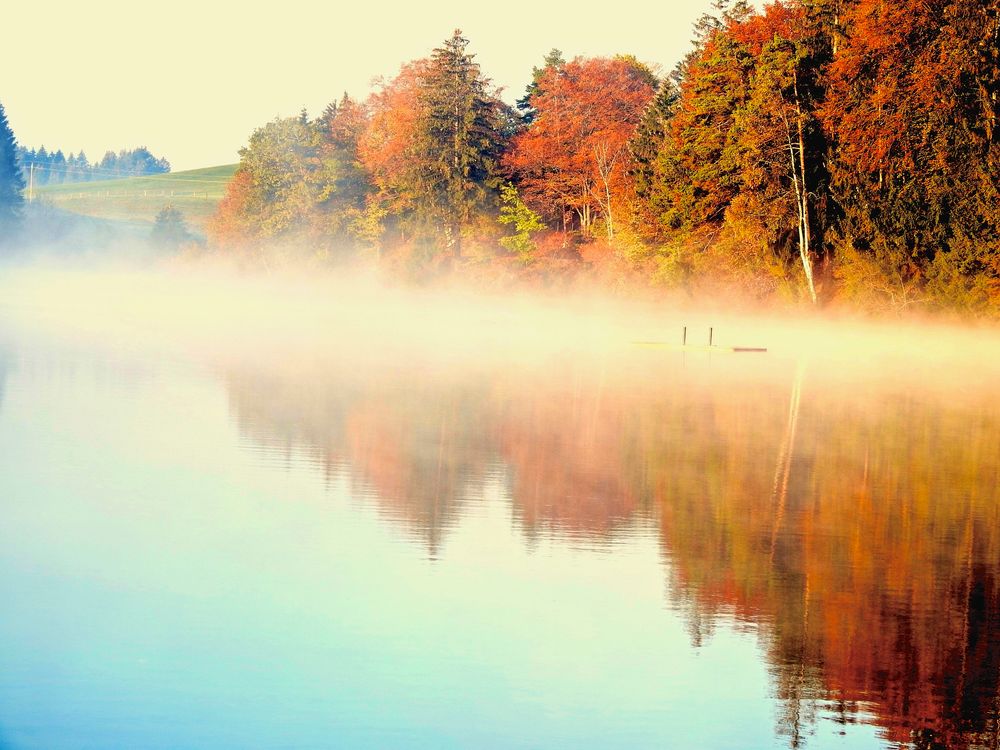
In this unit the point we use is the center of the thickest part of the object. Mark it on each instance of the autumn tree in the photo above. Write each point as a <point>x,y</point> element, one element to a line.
<point>573,160</point>
<point>780,149</point>
<point>912,107</point>
<point>233,222</point>
<point>11,179</point>
<point>341,183</point>
<point>299,179</point>
<point>387,147</point>
<point>278,160</point>
<point>554,60</point>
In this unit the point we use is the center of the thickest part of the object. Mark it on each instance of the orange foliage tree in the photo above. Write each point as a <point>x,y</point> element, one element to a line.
<point>574,158</point>
<point>386,147</point>
<point>229,225</point>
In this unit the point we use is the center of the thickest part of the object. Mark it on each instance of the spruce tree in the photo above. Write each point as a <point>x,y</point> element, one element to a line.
<point>459,141</point>
<point>645,147</point>
<point>11,180</point>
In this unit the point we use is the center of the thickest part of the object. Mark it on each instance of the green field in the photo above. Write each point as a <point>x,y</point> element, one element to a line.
<point>195,193</point>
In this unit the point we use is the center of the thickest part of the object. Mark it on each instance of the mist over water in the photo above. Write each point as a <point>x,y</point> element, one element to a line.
<point>327,512</point>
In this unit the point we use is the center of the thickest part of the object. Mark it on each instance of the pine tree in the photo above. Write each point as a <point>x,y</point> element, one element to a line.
<point>645,148</point>
<point>329,115</point>
<point>84,166</point>
<point>459,141</point>
<point>696,175</point>
<point>11,179</point>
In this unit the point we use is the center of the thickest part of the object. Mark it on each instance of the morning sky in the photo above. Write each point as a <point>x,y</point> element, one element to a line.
<point>191,79</point>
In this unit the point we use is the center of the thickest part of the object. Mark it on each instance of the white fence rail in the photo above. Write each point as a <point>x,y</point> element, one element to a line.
<point>108,194</point>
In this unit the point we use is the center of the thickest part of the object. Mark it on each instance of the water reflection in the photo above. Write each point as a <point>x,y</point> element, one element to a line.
<point>856,530</point>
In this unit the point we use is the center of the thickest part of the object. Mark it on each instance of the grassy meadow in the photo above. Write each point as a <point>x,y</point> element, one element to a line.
<point>196,193</point>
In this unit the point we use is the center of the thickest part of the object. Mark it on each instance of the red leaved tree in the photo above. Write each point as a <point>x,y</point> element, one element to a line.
<point>573,161</point>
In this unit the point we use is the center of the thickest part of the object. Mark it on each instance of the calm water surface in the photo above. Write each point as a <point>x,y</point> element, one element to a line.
<point>655,551</point>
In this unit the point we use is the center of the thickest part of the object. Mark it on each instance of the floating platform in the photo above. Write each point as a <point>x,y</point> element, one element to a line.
<point>693,348</point>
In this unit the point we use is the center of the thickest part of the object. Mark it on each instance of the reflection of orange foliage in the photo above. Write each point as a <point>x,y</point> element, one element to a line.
<point>564,454</point>
<point>419,470</point>
<point>861,535</point>
<point>877,569</point>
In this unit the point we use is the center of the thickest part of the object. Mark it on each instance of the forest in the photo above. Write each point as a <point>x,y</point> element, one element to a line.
<point>822,151</point>
<point>815,152</point>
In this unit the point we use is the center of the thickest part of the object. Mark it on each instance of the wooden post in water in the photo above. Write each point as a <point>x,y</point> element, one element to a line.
<point>684,338</point>
<point>710,335</point>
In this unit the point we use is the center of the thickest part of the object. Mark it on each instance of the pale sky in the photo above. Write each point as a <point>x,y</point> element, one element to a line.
<point>191,80</point>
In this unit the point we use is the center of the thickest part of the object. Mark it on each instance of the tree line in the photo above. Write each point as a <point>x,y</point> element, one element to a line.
<point>21,168</point>
<point>55,168</point>
<point>816,149</point>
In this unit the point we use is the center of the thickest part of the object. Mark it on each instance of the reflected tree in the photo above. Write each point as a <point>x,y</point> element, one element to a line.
<point>857,532</point>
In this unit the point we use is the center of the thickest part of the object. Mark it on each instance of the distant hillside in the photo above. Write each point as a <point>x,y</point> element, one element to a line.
<point>195,193</point>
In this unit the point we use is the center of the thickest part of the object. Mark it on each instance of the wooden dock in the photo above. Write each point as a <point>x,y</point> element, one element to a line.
<point>684,346</point>
<point>695,348</point>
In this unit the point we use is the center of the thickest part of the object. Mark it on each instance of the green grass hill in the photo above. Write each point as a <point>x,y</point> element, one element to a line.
<point>196,193</point>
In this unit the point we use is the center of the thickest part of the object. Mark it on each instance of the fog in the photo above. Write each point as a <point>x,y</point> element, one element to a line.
<point>230,473</point>
<point>353,318</point>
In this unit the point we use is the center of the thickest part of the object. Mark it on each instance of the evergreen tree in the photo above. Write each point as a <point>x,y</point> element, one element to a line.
<point>11,179</point>
<point>697,173</point>
<point>41,160</point>
<point>57,173</point>
<point>780,153</point>
<point>85,172</point>
<point>329,115</point>
<point>107,167</point>
<point>459,141</point>
<point>645,147</point>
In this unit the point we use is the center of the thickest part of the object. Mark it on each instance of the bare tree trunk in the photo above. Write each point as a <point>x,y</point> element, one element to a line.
<point>801,194</point>
<point>605,166</point>
<point>805,218</point>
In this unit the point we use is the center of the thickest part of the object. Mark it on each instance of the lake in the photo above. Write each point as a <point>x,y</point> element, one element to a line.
<point>314,525</point>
